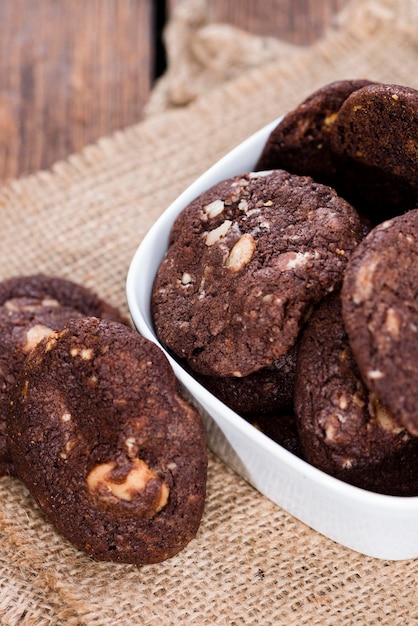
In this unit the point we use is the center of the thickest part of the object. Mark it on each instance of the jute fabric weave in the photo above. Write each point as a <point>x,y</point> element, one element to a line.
<point>251,562</point>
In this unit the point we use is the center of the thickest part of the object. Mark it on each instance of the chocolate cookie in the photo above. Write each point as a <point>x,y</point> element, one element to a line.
<point>267,390</point>
<point>344,429</point>
<point>114,456</point>
<point>31,307</point>
<point>380,310</point>
<point>300,143</point>
<point>246,261</point>
<point>281,427</point>
<point>375,134</point>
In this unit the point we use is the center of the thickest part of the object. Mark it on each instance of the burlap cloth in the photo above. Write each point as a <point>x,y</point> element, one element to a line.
<point>251,562</point>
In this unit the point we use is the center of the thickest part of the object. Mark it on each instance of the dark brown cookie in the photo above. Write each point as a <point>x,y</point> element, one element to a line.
<point>300,143</point>
<point>247,260</point>
<point>344,429</point>
<point>114,456</point>
<point>281,428</point>
<point>31,307</point>
<point>375,135</point>
<point>267,390</point>
<point>380,310</point>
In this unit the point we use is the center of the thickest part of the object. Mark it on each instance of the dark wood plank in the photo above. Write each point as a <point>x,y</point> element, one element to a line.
<point>300,22</point>
<point>70,72</point>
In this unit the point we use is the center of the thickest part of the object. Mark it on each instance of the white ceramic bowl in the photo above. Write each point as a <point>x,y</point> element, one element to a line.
<point>373,524</point>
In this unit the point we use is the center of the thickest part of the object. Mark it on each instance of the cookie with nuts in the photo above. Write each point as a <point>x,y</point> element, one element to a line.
<point>380,310</point>
<point>266,391</point>
<point>300,143</point>
<point>246,262</point>
<point>359,137</point>
<point>375,137</point>
<point>112,453</point>
<point>32,307</point>
<point>344,429</point>
<point>281,427</point>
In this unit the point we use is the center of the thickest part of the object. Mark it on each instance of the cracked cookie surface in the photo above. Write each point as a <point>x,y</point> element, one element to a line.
<point>359,137</point>
<point>344,429</point>
<point>380,311</point>
<point>375,135</point>
<point>246,261</point>
<point>114,456</point>
<point>300,143</point>
<point>32,307</point>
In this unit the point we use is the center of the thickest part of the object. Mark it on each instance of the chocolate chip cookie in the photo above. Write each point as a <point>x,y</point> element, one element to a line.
<point>380,310</point>
<point>113,455</point>
<point>31,307</point>
<point>246,262</point>
<point>344,429</point>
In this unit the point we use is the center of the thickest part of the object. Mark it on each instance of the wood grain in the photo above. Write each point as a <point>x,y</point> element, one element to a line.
<point>72,71</point>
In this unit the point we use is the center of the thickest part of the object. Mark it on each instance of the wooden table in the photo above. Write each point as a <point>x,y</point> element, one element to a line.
<point>72,71</point>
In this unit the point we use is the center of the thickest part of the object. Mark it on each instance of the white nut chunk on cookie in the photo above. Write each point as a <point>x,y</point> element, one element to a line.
<point>34,335</point>
<point>214,235</point>
<point>241,253</point>
<point>215,208</point>
<point>106,483</point>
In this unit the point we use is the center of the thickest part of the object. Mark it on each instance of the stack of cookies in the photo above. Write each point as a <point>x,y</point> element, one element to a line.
<point>92,421</point>
<point>289,291</point>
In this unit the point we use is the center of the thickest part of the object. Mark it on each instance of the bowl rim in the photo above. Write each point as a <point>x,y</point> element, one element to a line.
<point>141,264</point>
